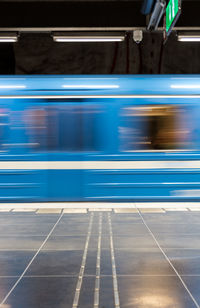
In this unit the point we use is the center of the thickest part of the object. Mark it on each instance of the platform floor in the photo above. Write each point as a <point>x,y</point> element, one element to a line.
<point>100,258</point>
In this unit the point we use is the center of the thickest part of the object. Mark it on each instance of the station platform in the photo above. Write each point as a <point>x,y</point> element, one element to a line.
<point>100,255</point>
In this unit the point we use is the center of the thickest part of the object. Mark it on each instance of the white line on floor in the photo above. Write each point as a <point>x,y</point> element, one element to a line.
<point>168,260</point>
<point>98,266</point>
<point>82,268</point>
<point>114,273</point>
<point>16,283</point>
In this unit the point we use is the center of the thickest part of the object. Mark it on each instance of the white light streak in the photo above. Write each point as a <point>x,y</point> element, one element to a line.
<point>12,86</point>
<point>86,86</point>
<point>185,86</point>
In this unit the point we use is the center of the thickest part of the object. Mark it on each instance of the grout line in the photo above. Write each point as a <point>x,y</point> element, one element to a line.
<point>168,260</point>
<point>98,266</point>
<point>21,249</point>
<point>82,268</point>
<point>93,249</point>
<point>16,283</point>
<point>114,274</point>
<point>92,275</point>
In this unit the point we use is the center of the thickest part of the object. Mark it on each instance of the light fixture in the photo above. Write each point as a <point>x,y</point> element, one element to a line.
<point>137,36</point>
<point>8,37</point>
<point>88,37</point>
<point>189,37</point>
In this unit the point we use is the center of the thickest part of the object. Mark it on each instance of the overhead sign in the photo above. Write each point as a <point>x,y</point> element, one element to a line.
<point>173,11</point>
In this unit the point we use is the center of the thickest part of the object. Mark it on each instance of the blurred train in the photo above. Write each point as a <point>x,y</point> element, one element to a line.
<point>99,138</point>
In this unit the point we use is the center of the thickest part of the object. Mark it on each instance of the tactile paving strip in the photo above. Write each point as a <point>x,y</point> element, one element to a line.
<point>81,208</point>
<point>24,210</point>
<point>5,210</point>
<point>149,210</point>
<point>178,209</point>
<point>75,211</point>
<point>100,210</point>
<point>124,211</point>
<point>197,209</point>
<point>49,211</point>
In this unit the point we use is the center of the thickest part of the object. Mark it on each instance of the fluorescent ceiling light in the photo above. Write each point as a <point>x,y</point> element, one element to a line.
<point>87,38</point>
<point>187,37</point>
<point>8,38</point>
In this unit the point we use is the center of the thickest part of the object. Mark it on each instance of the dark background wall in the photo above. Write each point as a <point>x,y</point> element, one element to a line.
<point>40,55</point>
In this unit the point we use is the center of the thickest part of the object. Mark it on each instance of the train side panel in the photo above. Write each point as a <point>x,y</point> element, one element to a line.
<point>94,143</point>
<point>154,156</point>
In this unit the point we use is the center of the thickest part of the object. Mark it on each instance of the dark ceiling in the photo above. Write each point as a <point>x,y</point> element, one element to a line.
<point>76,14</point>
<point>36,53</point>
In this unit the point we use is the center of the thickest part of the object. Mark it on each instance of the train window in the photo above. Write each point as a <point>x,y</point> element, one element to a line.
<point>35,121</point>
<point>64,127</point>
<point>68,123</point>
<point>154,128</point>
<point>4,128</point>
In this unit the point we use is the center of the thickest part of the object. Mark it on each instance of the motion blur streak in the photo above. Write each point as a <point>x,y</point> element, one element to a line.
<point>79,138</point>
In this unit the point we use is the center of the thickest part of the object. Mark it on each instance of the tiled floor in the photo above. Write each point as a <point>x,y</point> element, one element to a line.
<point>100,259</point>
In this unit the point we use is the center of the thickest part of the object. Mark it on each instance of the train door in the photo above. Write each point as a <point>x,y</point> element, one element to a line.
<point>29,145</point>
<point>100,120</point>
<point>22,177</point>
<point>56,138</point>
<point>158,137</point>
<point>65,149</point>
<point>6,173</point>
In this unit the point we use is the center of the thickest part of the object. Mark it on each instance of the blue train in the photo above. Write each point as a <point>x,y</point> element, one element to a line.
<point>99,138</point>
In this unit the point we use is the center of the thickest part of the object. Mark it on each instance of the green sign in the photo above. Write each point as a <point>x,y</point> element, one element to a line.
<point>172,14</point>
